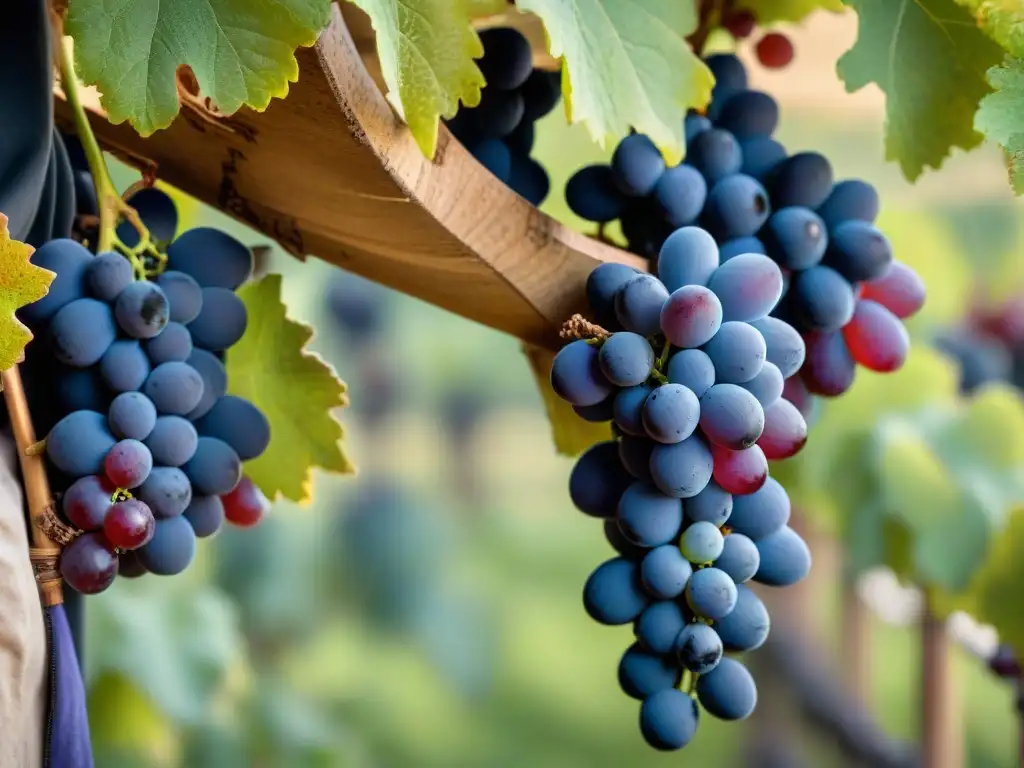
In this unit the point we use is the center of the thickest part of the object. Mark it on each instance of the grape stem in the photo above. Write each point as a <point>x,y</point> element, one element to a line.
<point>36,449</point>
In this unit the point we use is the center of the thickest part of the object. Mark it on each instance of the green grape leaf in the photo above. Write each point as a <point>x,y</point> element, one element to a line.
<point>1000,117</point>
<point>930,59</point>
<point>21,283</point>
<point>1000,20</point>
<point>996,590</point>
<point>296,389</point>
<point>242,52</point>
<point>628,65</point>
<point>572,434</point>
<point>426,52</point>
<point>776,11</point>
<point>949,552</point>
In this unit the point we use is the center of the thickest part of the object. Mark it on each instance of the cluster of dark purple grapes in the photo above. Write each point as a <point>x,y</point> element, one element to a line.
<point>126,379</point>
<point>842,289</point>
<point>690,369</point>
<point>499,132</point>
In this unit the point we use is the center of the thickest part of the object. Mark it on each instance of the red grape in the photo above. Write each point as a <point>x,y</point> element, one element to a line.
<point>129,524</point>
<point>876,338</point>
<point>785,431</point>
<point>691,316</point>
<point>900,290</point>
<point>1005,322</point>
<point>128,464</point>
<point>89,564</point>
<point>829,369</point>
<point>774,50</point>
<point>740,24</point>
<point>740,472</point>
<point>86,502</point>
<point>795,390</point>
<point>246,505</point>
<point>130,566</point>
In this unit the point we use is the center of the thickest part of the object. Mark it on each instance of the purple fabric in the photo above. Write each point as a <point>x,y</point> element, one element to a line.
<point>70,745</point>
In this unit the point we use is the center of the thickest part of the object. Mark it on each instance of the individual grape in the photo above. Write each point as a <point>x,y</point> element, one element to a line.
<point>729,72</point>
<point>599,413</point>
<point>81,331</point>
<point>628,409</point>
<point>642,674</point>
<point>68,260</point>
<point>760,514</point>
<point>172,441</point>
<point>215,381</point>
<point>737,206</point>
<point>659,626</point>
<point>622,545</point>
<point>508,60</point>
<point>598,480</point>
<point>851,199</point>
<point>88,564</point>
<point>774,50</point>
<point>748,114</point>
<point>747,625</point>
<point>638,304</point>
<point>728,692</point>
<point>695,123</point>
<point>740,472</point>
<point>129,566</point>
<point>680,193</point>
<point>671,413</point>
<point>174,344</point>
<point>124,366</point>
<point>172,548</point>
<point>576,375</point>
<point>211,257</point>
<point>174,388</point>
<point>711,593</point>
<point>712,505</point>
<point>157,211</point>
<point>761,156</point>
<point>701,543</point>
<point>238,423</point>
<point>803,179</point>
<point>637,165</point>
<point>682,470</point>
<point>795,237</point>
<point>221,322</point>
<point>785,431</point>
<point>80,389</point>
<point>900,290</point>
<point>541,93</point>
<point>748,286</point>
<point>644,227</point>
<point>731,417</point>
<point>693,369</point>
<point>246,505</point>
<point>78,444</point>
<point>129,524</point>
<point>635,455</point>
<point>183,293</point>
<point>142,310</point>
<point>716,154</point>
<point>215,468</point>
<point>858,251</point>
<point>128,464</point>
<point>738,352</point>
<point>785,347</point>
<point>107,275</point>
<point>613,594</point>
<point>797,393</point>
<point>699,648</point>
<point>740,23</point>
<point>528,179</point>
<point>691,316</point>
<point>829,370</point>
<point>132,416</point>
<point>669,719</point>
<point>86,501</point>
<point>167,492</point>
<point>626,359</point>
<point>739,558</point>
<point>664,572</point>
<point>647,517</point>
<point>733,248</point>
<point>592,195</point>
<point>603,284</point>
<point>206,515</point>
<point>822,299</point>
<point>689,256</point>
<point>785,558</point>
<point>767,386</point>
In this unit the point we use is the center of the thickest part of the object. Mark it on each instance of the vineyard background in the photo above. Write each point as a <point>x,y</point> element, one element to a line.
<point>291,654</point>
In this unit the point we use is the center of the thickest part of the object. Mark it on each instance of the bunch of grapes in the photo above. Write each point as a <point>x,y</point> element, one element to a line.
<point>690,369</point>
<point>842,291</point>
<point>989,346</point>
<point>499,132</point>
<point>145,441</point>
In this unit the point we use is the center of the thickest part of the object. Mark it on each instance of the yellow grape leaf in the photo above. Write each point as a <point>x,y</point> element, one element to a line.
<point>296,389</point>
<point>426,52</point>
<point>1000,20</point>
<point>627,65</point>
<point>572,434</point>
<point>21,283</point>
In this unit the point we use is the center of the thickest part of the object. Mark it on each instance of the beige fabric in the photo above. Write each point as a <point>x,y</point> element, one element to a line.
<point>23,655</point>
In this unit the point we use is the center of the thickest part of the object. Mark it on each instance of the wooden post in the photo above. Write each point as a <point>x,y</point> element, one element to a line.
<point>942,741</point>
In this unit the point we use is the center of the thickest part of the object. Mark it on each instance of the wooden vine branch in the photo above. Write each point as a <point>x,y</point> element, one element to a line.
<point>331,171</point>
